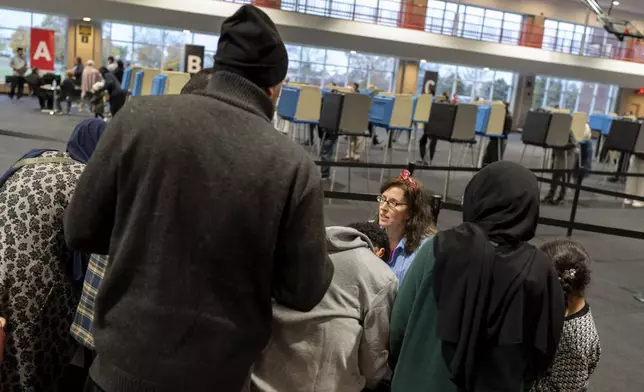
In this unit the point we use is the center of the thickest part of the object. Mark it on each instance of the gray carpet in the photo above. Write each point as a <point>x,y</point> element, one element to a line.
<point>618,262</point>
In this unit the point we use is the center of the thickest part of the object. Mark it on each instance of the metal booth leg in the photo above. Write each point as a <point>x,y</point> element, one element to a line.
<point>384,159</point>
<point>481,148</point>
<point>498,147</point>
<point>333,170</point>
<point>525,147</point>
<point>368,144</point>
<point>449,164</point>
<point>412,135</point>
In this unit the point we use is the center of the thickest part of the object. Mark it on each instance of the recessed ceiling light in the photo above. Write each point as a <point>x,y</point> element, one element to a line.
<point>486,69</point>
<point>353,52</point>
<point>87,19</point>
<point>615,2</point>
<point>423,61</point>
<point>186,31</point>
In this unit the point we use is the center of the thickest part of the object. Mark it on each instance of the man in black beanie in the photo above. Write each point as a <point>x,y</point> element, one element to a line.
<point>207,214</point>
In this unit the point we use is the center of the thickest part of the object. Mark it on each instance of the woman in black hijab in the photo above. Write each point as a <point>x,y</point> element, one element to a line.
<point>480,309</point>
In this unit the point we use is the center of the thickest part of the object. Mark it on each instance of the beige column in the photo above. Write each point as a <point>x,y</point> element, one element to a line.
<point>407,77</point>
<point>84,40</point>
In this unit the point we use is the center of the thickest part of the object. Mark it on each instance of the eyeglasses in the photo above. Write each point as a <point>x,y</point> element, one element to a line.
<point>393,204</point>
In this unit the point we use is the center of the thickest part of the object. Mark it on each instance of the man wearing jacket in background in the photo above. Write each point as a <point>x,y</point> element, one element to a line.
<point>206,213</point>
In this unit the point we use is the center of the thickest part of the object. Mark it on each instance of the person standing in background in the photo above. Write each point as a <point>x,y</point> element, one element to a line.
<point>118,72</point>
<point>77,71</point>
<point>186,301</point>
<point>493,148</point>
<point>117,96</point>
<point>356,143</point>
<point>91,76</point>
<point>111,64</point>
<point>19,67</point>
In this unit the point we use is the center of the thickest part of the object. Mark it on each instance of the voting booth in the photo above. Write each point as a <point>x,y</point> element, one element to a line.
<point>578,126</point>
<point>393,112</point>
<point>624,136</point>
<point>176,81</point>
<point>345,114</point>
<point>299,104</point>
<point>490,121</point>
<point>454,124</point>
<point>422,107</point>
<point>601,123</point>
<point>548,131</point>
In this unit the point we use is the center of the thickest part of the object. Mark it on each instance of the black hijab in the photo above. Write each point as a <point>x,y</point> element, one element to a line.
<point>492,288</point>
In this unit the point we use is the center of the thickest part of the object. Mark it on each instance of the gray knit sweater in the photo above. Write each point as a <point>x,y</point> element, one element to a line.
<point>206,213</point>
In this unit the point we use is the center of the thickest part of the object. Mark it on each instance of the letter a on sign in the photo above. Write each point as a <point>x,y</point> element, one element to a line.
<point>42,49</point>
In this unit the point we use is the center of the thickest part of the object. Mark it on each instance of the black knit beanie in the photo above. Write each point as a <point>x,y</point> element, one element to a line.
<point>250,46</point>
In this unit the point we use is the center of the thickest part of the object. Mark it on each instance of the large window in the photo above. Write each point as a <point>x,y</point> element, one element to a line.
<point>153,47</point>
<point>471,83</point>
<point>323,66</point>
<point>15,28</point>
<point>575,95</point>
<point>473,22</point>
<point>385,12</point>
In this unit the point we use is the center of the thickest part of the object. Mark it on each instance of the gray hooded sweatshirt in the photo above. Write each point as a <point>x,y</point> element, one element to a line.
<point>342,344</point>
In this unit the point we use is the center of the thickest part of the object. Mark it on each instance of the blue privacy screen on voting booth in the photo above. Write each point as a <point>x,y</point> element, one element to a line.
<point>138,84</point>
<point>127,78</point>
<point>601,123</point>
<point>288,102</point>
<point>381,109</point>
<point>158,84</point>
<point>482,119</point>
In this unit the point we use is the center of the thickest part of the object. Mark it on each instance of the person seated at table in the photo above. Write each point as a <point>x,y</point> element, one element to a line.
<point>404,214</point>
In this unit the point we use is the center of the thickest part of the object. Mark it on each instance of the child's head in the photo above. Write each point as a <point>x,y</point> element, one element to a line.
<point>572,263</point>
<point>377,236</point>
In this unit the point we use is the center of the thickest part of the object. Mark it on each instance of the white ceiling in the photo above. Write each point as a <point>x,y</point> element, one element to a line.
<point>633,7</point>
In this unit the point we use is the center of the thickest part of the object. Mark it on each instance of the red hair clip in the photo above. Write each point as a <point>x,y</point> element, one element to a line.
<point>405,175</point>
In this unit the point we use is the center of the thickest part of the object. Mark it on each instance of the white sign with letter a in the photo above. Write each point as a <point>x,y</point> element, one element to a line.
<point>42,51</point>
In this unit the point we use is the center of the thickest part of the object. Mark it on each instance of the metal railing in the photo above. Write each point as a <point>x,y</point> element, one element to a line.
<point>593,42</point>
<point>570,224</point>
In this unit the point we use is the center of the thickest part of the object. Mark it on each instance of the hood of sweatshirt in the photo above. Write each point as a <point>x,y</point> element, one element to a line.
<point>339,239</point>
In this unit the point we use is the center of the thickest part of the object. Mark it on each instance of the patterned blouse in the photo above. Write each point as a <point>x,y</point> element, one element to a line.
<point>36,294</point>
<point>577,356</point>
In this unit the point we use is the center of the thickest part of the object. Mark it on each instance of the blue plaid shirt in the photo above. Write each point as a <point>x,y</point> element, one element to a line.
<point>81,329</point>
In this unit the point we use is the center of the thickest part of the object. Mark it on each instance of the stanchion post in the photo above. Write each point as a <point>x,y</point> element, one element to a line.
<point>575,201</point>
<point>411,166</point>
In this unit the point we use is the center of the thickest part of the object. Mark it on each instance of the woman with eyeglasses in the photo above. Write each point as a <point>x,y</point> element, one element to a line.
<point>405,214</point>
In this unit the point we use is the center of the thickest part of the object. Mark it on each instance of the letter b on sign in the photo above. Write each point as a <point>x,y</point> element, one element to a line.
<point>193,62</point>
